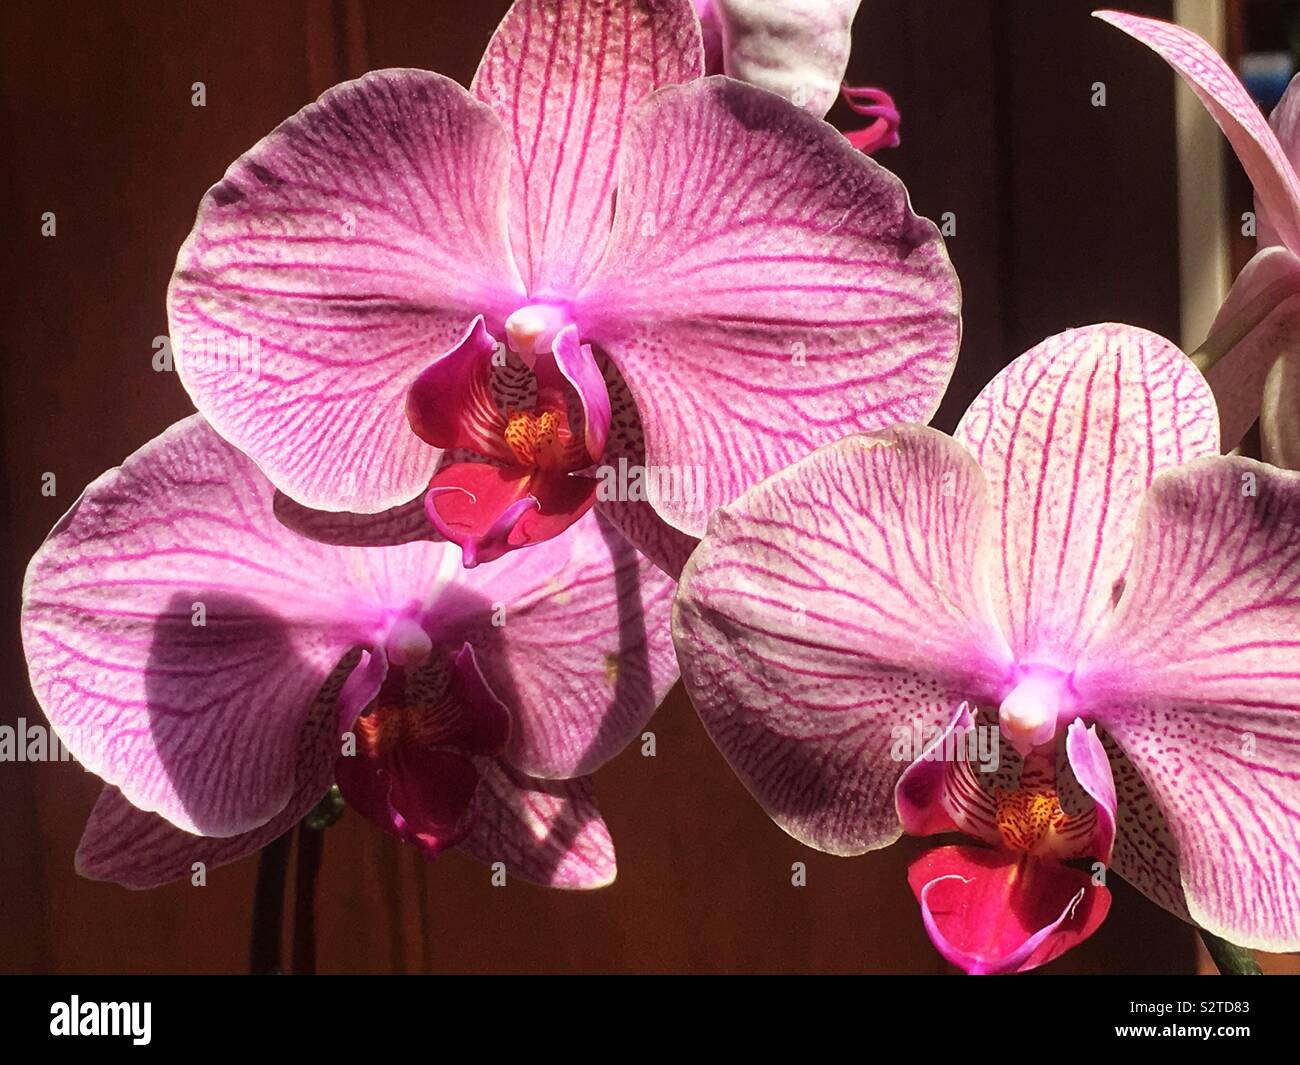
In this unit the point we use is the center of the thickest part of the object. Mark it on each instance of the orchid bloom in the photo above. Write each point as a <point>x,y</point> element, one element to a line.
<point>1077,566</point>
<point>595,253</point>
<point>220,673</point>
<point>1255,338</point>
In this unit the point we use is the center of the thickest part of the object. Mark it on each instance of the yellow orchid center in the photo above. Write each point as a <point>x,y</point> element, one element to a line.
<point>1026,819</point>
<point>537,440</point>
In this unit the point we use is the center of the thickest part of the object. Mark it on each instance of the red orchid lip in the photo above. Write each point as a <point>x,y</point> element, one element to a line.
<point>991,911</point>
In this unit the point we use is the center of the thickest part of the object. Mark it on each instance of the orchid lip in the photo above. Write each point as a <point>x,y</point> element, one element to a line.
<point>531,330</point>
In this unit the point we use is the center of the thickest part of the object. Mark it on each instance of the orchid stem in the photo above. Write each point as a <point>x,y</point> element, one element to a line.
<point>264,958</point>
<point>311,849</point>
<point>311,846</point>
<point>1230,959</point>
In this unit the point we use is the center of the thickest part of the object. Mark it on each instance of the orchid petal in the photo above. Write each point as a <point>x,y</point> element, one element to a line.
<point>450,405</point>
<point>1196,679</point>
<point>1070,435</point>
<point>580,649</point>
<point>1145,853</point>
<point>563,75</point>
<point>127,846</point>
<point>1277,189</point>
<point>1258,323</point>
<point>1285,123</point>
<point>549,832</point>
<point>158,608</point>
<point>991,911</point>
<point>335,260</point>
<point>760,311</point>
<point>403,524</point>
<point>1091,769</point>
<point>830,605</point>
<point>798,49</point>
<point>637,521</point>
<point>1279,416</point>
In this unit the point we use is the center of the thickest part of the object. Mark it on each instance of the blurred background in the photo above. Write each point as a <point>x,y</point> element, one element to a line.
<point>1066,213</point>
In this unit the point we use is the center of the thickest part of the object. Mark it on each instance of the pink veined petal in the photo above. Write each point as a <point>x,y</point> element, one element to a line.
<point>1091,767</point>
<point>549,832</point>
<point>1146,853</point>
<point>1285,123</point>
<point>1277,189</point>
<point>995,912</point>
<point>936,794</point>
<point>798,49</point>
<point>176,633</point>
<point>127,846</point>
<point>564,76</point>
<point>450,404</point>
<point>766,290</point>
<point>580,649</point>
<point>636,520</point>
<point>1070,435</point>
<point>402,524</point>
<point>1197,679</point>
<point>829,606</point>
<point>1258,324</point>
<point>1279,416</point>
<point>334,261</point>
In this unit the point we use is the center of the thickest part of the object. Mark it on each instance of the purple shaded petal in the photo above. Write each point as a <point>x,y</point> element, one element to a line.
<point>580,651</point>
<point>1258,323</point>
<point>403,524</point>
<point>333,262</point>
<point>798,49</point>
<point>1070,435</point>
<point>832,605</point>
<point>1279,416</point>
<point>1091,768</point>
<point>176,633</point>
<point>127,846</point>
<point>1197,678</point>
<point>564,75</point>
<point>549,832</point>
<point>1285,123</point>
<point>1277,190</point>
<point>663,545</point>
<point>767,290</point>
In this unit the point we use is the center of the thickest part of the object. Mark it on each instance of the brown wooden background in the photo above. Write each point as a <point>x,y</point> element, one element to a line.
<point>1065,215</point>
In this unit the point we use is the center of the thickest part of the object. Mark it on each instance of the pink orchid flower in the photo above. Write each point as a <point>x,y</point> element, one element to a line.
<point>1255,338</point>
<point>220,673</point>
<point>1077,567</point>
<point>596,253</point>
